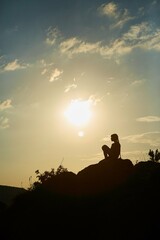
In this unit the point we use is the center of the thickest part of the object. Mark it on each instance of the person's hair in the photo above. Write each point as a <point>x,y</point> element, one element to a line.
<point>115,136</point>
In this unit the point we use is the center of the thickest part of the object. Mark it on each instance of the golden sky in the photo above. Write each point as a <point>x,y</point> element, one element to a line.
<point>71,74</point>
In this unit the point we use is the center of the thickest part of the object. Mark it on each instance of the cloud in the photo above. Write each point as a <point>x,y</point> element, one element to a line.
<point>124,18</point>
<point>139,32</point>
<point>149,138</point>
<point>52,35</point>
<point>109,9</point>
<point>45,66</point>
<point>94,100</point>
<point>112,11</point>
<point>69,87</point>
<point>48,68</point>
<point>14,65</point>
<point>148,119</point>
<point>5,104</point>
<point>142,36</point>
<point>117,48</point>
<point>137,83</point>
<point>42,63</point>
<point>55,75</point>
<point>85,47</point>
<point>44,71</point>
<point>74,46</point>
<point>69,44</point>
<point>4,123</point>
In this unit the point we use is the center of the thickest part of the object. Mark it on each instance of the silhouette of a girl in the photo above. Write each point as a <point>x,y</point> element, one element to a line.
<point>115,150</point>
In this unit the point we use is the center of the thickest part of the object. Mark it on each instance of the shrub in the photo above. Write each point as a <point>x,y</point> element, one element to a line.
<point>154,156</point>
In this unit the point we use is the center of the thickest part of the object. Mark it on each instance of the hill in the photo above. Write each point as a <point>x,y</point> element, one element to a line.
<point>108,200</point>
<point>8,193</point>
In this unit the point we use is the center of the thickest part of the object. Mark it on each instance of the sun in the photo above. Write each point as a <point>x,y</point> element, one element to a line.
<point>78,112</point>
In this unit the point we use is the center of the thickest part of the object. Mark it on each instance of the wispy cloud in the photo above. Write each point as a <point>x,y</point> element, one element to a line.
<point>148,119</point>
<point>85,47</point>
<point>135,156</point>
<point>74,46</point>
<point>94,100</point>
<point>44,71</point>
<point>119,16</point>
<point>140,32</point>
<point>5,104</point>
<point>149,138</point>
<point>143,36</point>
<point>138,83</point>
<point>14,65</point>
<point>69,45</point>
<point>45,66</point>
<point>116,49</point>
<point>52,35</point>
<point>55,75</point>
<point>70,87</point>
<point>4,123</point>
<point>121,46</point>
<point>124,18</point>
<point>109,9</point>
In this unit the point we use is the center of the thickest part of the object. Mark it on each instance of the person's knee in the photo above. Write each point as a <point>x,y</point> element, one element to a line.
<point>104,147</point>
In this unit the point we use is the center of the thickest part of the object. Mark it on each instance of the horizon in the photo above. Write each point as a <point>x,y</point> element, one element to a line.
<point>71,74</point>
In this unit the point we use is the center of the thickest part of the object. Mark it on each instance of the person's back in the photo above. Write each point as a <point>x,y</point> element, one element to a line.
<point>115,150</point>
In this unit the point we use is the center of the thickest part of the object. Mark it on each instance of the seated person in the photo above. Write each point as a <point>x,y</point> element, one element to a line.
<point>114,151</point>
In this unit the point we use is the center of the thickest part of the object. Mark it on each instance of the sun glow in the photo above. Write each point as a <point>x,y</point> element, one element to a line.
<point>78,112</point>
<point>81,134</point>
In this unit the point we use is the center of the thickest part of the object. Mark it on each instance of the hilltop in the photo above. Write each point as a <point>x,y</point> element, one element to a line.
<point>107,200</point>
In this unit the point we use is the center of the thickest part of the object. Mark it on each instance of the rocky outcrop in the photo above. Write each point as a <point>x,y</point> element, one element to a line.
<point>104,176</point>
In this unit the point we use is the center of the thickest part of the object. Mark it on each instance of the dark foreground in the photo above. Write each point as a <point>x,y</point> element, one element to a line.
<point>108,200</point>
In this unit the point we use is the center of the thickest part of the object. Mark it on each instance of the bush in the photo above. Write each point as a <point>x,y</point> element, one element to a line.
<point>154,156</point>
<point>46,176</point>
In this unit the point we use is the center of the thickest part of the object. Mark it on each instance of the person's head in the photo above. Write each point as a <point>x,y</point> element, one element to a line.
<point>114,137</point>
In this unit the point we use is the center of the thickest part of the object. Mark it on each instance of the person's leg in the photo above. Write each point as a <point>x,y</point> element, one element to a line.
<point>106,151</point>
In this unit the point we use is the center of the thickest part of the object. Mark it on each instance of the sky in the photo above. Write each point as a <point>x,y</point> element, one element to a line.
<point>71,74</point>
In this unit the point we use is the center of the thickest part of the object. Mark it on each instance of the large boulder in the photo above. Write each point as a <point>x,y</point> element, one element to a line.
<point>104,176</point>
